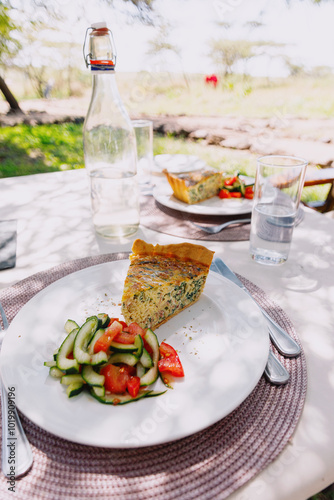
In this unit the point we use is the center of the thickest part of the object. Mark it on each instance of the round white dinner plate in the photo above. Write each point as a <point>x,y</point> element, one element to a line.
<point>177,164</point>
<point>163,193</point>
<point>222,342</point>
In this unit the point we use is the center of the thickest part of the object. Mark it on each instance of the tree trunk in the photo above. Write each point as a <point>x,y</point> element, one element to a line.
<point>14,105</point>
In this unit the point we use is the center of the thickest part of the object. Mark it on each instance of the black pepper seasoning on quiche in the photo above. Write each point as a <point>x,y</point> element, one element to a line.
<point>162,280</point>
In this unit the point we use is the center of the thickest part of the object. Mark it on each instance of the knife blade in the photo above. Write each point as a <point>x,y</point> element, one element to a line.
<point>279,337</point>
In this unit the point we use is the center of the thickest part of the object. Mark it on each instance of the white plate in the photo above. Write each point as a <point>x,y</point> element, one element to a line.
<point>213,206</point>
<point>222,341</point>
<point>177,164</point>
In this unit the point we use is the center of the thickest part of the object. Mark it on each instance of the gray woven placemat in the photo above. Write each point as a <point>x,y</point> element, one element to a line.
<point>166,220</point>
<point>210,464</point>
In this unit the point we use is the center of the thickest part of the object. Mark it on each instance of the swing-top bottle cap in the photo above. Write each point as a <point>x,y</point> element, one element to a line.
<point>101,55</point>
<point>98,26</point>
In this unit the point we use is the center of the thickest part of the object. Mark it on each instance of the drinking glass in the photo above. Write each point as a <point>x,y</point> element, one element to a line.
<point>278,185</point>
<point>144,138</point>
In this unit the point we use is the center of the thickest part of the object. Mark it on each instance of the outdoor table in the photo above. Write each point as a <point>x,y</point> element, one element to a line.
<point>54,227</point>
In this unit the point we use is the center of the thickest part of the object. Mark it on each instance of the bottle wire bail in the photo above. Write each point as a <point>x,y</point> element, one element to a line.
<point>87,57</point>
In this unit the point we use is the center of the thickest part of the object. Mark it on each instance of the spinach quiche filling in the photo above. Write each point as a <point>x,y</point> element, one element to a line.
<point>162,281</point>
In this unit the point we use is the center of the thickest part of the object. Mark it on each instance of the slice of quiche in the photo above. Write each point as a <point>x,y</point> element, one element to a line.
<point>194,187</point>
<point>162,280</point>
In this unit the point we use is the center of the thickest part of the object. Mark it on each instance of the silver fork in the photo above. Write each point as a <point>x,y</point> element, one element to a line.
<point>220,227</point>
<point>16,455</point>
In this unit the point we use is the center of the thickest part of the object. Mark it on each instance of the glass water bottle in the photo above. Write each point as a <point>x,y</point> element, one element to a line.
<point>109,144</point>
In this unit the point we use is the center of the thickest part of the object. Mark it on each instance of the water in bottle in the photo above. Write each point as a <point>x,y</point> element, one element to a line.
<point>109,144</point>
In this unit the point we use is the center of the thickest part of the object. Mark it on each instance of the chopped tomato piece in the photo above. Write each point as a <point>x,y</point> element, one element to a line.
<point>235,194</point>
<point>133,386</point>
<point>125,338</point>
<point>224,193</point>
<point>170,361</point>
<point>116,377</point>
<point>230,181</point>
<point>124,325</point>
<point>249,192</point>
<point>128,334</point>
<point>104,342</point>
<point>135,329</point>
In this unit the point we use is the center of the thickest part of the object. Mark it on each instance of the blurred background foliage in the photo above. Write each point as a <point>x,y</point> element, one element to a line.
<point>60,75</point>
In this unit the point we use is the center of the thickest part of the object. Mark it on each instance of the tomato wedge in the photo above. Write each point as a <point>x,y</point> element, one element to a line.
<point>236,194</point>
<point>230,181</point>
<point>224,193</point>
<point>124,325</point>
<point>135,329</point>
<point>116,377</point>
<point>133,386</point>
<point>249,193</point>
<point>128,334</point>
<point>104,342</point>
<point>170,361</point>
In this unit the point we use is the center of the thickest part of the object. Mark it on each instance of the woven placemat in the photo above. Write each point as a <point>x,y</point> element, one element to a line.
<point>175,223</point>
<point>210,464</point>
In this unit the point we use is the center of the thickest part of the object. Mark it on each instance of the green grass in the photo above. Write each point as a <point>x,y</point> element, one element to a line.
<point>26,150</point>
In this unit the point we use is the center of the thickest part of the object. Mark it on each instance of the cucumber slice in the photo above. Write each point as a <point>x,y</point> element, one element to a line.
<point>140,370</point>
<point>50,364</point>
<point>82,339</point>
<point>146,359</point>
<point>117,347</point>
<point>99,358</point>
<point>100,391</point>
<point>91,377</point>
<point>153,394</point>
<point>123,357</point>
<point>70,325</point>
<point>55,372</point>
<point>74,389</point>
<point>116,399</point>
<point>152,374</point>
<point>95,337</point>
<point>140,346</point>
<point>136,348</point>
<point>103,320</point>
<point>63,362</point>
<point>72,379</point>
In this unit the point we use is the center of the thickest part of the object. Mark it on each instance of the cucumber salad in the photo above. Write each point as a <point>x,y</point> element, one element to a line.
<point>117,363</point>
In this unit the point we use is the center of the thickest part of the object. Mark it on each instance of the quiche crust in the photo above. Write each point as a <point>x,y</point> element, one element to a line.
<point>162,280</point>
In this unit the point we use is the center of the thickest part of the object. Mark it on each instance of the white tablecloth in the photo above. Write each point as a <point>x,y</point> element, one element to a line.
<point>54,226</point>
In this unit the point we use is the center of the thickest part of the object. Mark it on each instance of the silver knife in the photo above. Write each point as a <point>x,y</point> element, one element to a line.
<point>279,337</point>
<point>274,371</point>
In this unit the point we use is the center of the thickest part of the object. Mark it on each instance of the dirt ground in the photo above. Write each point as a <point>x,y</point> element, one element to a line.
<point>309,138</point>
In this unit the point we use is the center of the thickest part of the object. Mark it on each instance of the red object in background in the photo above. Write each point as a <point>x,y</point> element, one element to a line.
<point>211,80</point>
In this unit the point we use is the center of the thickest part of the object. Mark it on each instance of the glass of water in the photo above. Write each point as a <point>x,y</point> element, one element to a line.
<point>278,187</point>
<point>144,139</point>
